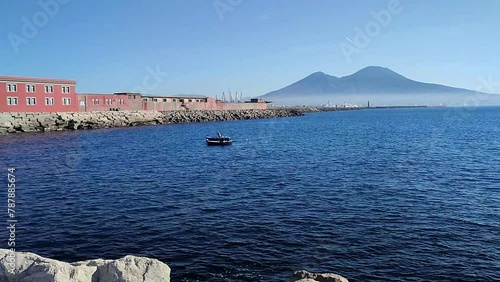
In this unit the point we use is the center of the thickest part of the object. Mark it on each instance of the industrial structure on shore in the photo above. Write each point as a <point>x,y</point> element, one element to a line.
<point>24,94</point>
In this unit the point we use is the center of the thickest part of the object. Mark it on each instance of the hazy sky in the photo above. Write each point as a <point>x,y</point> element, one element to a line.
<point>254,46</point>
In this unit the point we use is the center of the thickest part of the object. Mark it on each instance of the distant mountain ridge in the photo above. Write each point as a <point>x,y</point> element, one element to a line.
<point>371,81</point>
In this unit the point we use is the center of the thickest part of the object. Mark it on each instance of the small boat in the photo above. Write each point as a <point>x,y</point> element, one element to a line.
<point>219,140</point>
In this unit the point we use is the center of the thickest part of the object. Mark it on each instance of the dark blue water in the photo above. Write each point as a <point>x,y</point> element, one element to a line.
<point>374,195</point>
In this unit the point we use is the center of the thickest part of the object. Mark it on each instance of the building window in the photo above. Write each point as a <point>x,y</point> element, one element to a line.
<point>95,101</point>
<point>49,101</point>
<point>120,101</point>
<point>66,101</point>
<point>30,101</point>
<point>164,100</point>
<point>155,100</point>
<point>82,103</point>
<point>65,89</point>
<point>11,87</point>
<point>30,88</point>
<point>190,100</point>
<point>11,101</point>
<point>49,89</point>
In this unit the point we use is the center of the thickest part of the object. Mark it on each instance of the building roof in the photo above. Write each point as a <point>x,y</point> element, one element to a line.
<point>36,80</point>
<point>83,93</point>
<point>127,93</point>
<point>148,96</point>
<point>189,96</point>
<point>177,96</point>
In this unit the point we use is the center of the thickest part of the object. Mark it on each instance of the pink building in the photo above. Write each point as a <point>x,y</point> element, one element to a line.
<point>136,102</point>
<point>109,102</point>
<point>24,94</point>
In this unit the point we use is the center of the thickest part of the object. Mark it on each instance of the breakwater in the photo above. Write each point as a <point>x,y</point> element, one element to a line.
<point>40,122</point>
<point>27,267</point>
<point>311,109</point>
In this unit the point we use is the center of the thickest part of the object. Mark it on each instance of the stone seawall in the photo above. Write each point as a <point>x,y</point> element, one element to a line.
<point>40,122</point>
<point>311,109</point>
<point>28,267</point>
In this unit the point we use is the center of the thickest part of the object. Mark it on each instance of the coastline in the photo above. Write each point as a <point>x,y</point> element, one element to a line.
<point>24,266</point>
<point>12,123</point>
<point>309,109</point>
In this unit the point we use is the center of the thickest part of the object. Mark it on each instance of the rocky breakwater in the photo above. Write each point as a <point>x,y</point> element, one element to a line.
<point>304,276</point>
<point>202,116</point>
<point>28,267</point>
<point>313,109</point>
<point>39,122</point>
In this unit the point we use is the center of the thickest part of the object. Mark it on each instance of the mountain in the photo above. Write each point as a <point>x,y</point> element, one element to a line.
<point>370,83</point>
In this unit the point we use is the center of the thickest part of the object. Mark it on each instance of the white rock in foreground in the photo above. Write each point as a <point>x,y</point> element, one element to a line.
<point>304,276</point>
<point>34,268</point>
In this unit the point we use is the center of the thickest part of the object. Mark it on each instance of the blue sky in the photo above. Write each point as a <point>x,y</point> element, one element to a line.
<point>256,46</point>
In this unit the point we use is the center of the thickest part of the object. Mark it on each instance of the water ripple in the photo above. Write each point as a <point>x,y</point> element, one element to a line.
<point>386,195</point>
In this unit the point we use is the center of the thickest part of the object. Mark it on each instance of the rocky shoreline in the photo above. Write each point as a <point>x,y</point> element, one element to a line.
<point>41,122</point>
<point>326,109</point>
<point>312,109</point>
<point>29,267</point>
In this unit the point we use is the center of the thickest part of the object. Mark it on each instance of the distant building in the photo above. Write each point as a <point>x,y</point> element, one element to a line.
<point>258,100</point>
<point>25,94</point>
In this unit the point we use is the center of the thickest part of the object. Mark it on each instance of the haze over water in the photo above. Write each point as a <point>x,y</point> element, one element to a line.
<point>374,195</point>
